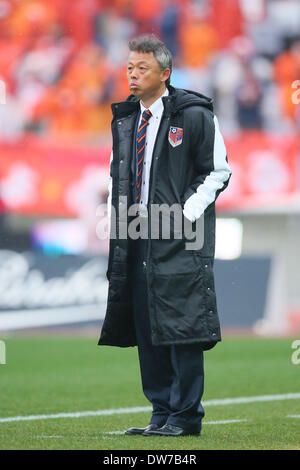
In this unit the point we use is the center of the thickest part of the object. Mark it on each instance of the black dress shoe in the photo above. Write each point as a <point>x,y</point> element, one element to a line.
<point>135,431</point>
<point>170,430</point>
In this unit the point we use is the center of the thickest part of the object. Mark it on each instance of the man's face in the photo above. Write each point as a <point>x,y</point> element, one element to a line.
<point>145,78</point>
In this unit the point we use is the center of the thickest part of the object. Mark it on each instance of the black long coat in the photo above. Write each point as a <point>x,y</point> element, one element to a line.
<point>181,293</point>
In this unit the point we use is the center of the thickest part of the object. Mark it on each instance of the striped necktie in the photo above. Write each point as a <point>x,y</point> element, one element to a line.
<point>140,151</point>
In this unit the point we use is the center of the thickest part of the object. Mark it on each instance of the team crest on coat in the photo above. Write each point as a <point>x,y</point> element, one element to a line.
<point>175,136</point>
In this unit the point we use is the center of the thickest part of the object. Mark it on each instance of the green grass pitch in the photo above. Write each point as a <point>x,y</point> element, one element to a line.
<point>49,375</point>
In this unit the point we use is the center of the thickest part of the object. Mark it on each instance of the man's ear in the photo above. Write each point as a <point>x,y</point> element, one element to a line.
<point>165,75</point>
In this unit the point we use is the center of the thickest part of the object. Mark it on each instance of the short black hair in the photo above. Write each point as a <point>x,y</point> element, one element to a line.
<point>150,43</point>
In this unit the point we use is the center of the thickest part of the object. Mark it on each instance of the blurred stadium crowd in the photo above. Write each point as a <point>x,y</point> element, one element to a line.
<point>63,62</point>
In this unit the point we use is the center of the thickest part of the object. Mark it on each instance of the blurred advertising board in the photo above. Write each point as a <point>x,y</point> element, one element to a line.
<point>38,290</point>
<point>265,173</point>
<point>38,178</point>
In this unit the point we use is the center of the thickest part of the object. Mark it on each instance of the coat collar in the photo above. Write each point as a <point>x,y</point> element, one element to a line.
<point>177,100</point>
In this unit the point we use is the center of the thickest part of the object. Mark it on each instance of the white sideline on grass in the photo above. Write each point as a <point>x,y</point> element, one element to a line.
<point>142,409</point>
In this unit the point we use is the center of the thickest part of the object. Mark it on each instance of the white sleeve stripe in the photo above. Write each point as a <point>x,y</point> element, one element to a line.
<point>196,204</point>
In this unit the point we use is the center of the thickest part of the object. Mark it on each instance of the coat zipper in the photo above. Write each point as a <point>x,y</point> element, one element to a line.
<point>164,122</point>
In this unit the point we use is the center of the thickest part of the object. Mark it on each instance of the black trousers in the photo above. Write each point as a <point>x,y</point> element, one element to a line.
<point>172,376</point>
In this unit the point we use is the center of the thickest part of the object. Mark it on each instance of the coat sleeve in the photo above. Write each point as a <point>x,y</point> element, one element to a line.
<point>211,166</point>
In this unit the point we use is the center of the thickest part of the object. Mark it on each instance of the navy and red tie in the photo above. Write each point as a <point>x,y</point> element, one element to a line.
<point>140,151</point>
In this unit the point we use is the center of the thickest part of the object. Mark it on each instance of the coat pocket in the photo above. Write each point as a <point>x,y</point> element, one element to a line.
<point>179,305</point>
<point>185,305</point>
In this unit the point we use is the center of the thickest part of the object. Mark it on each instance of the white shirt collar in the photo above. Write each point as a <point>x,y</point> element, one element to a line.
<point>156,108</point>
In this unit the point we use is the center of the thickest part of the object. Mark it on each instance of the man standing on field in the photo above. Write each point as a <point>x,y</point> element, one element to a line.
<point>167,149</point>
